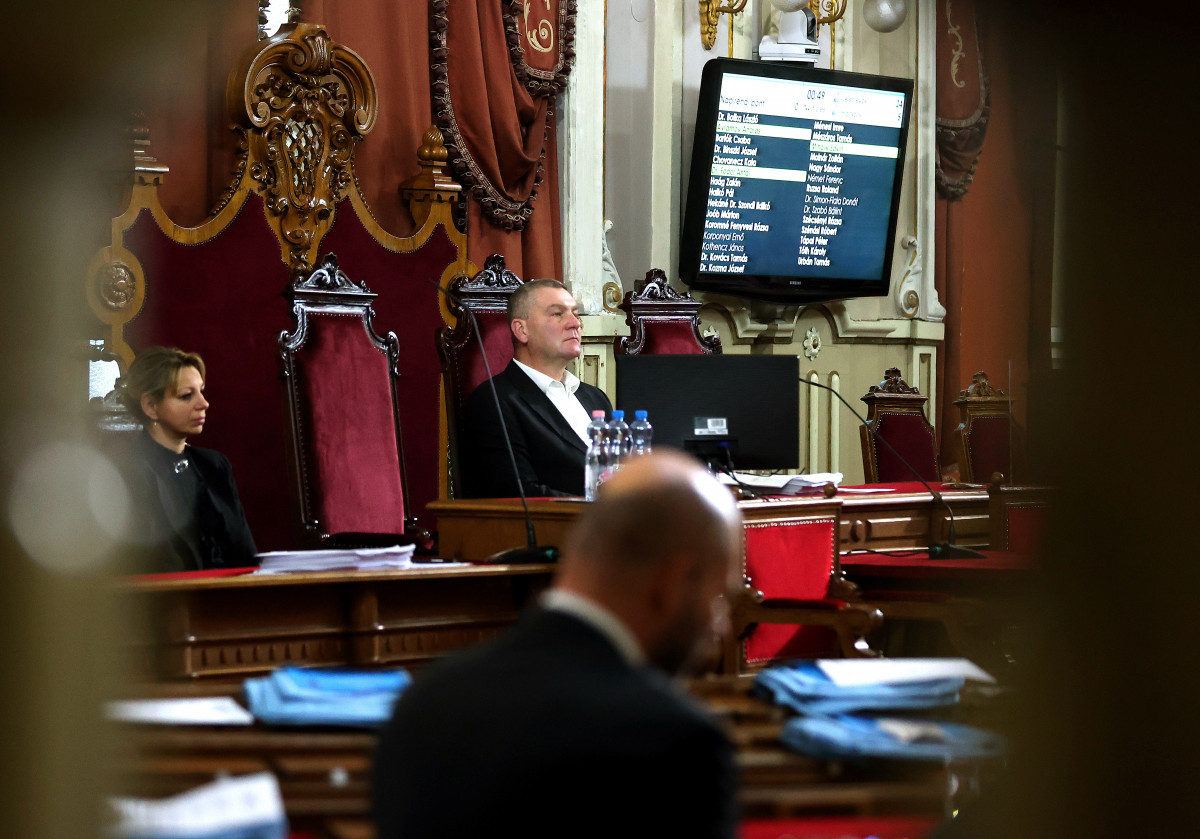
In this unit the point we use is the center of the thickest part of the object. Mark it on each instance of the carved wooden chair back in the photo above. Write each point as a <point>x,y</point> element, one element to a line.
<point>341,388</point>
<point>984,433</point>
<point>896,414</point>
<point>480,302</point>
<point>662,321</point>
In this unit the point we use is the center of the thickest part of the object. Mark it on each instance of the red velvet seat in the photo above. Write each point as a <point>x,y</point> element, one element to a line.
<point>985,432</point>
<point>785,610</point>
<point>662,321</point>
<point>342,394</point>
<point>486,295</point>
<point>896,414</point>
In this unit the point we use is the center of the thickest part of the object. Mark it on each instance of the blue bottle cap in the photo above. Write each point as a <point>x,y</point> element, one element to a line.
<point>618,415</point>
<point>639,414</point>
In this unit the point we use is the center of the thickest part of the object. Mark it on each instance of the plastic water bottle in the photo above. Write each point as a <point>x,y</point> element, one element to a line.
<point>618,442</point>
<point>596,459</point>
<point>642,433</point>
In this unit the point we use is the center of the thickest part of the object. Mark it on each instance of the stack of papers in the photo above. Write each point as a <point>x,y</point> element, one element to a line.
<point>291,696</point>
<point>783,484</point>
<point>839,698</point>
<point>847,737</point>
<point>247,807</point>
<point>205,710</point>
<point>355,559</point>
<point>805,689</point>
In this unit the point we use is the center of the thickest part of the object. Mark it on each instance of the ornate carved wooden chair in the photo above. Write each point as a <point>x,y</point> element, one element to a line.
<point>896,414</point>
<point>486,296</point>
<point>662,321</point>
<point>984,433</point>
<point>341,387</point>
<point>786,609</point>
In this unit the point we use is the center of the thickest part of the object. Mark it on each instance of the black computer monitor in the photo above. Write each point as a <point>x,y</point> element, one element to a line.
<point>744,406</point>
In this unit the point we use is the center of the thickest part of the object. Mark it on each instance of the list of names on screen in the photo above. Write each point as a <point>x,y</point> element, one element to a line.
<point>801,180</point>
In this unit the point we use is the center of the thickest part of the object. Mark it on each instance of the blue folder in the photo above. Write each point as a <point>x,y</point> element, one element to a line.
<point>804,688</point>
<point>292,696</point>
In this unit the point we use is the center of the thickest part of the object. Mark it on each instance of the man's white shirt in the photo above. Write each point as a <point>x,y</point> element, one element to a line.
<point>562,396</point>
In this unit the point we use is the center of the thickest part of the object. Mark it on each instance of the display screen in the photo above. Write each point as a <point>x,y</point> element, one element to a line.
<point>795,181</point>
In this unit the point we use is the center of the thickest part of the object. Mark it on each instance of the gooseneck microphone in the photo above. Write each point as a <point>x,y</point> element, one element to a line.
<point>937,550</point>
<point>531,553</point>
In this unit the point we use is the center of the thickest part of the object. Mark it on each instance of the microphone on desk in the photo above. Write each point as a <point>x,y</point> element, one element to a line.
<point>937,550</point>
<point>531,553</point>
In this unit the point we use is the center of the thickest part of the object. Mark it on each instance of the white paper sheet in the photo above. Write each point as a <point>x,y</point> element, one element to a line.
<point>208,710</point>
<point>854,672</point>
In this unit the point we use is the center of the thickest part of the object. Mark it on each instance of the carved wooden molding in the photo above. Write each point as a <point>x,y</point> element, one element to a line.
<point>300,106</point>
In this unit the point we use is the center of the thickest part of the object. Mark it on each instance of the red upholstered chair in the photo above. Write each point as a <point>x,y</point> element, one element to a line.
<point>784,610</point>
<point>1018,517</point>
<point>662,321</point>
<point>341,387</point>
<point>985,432</point>
<point>896,413</point>
<point>486,295</point>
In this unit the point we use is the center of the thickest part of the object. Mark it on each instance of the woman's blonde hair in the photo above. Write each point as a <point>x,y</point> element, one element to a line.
<point>155,371</point>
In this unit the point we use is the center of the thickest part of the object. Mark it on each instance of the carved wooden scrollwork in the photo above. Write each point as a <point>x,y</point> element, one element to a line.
<point>892,383</point>
<point>116,286</point>
<point>980,388</point>
<point>300,108</point>
<point>653,299</point>
<point>494,276</point>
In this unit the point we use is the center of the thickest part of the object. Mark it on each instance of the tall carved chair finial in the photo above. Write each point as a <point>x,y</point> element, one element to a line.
<point>662,321</point>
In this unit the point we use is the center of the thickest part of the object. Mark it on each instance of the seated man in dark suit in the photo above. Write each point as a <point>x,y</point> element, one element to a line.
<point>546,408</point>
<point>567,725</point>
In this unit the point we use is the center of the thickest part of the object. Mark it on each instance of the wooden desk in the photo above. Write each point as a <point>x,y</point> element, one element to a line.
<point>324,772</point>
<point>233,627</point>
<point>905,518</point>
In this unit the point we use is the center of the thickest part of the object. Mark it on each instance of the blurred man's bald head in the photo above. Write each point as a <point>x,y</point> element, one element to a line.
<point>658,549</point>
<point>654,506</point>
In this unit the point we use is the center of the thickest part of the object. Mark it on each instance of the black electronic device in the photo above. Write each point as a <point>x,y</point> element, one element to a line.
<point>729,410</point>
<point>795,182</point>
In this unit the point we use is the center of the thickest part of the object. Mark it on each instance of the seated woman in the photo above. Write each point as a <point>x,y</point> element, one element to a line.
<point>186,504</point>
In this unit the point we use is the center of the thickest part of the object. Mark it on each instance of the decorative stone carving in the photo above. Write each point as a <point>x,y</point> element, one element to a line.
<point>303,105</point>
<point>812,343</point>
<point>116,287</point>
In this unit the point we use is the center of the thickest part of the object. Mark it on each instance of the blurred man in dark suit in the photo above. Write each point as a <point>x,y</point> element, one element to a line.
<point>568,724</point>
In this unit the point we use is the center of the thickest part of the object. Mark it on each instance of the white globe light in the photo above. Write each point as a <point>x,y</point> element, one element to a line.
<point>884,15</point>
<point>789,5</point>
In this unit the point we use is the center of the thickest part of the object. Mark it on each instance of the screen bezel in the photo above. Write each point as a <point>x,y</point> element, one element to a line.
<point>775,287</point>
